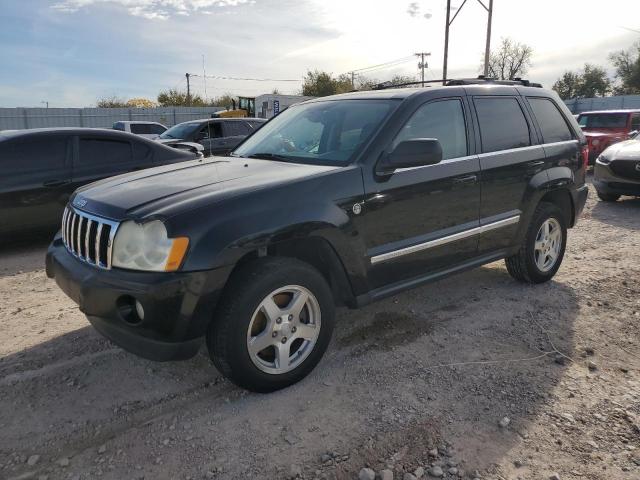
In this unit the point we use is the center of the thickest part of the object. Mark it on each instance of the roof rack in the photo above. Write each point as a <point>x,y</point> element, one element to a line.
<point>481,79</point>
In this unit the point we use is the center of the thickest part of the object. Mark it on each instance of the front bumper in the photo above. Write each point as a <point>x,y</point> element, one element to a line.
<point>607,182</point>
<point>177,306</point>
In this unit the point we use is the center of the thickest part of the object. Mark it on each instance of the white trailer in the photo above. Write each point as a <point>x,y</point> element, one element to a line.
<point>270,104</point>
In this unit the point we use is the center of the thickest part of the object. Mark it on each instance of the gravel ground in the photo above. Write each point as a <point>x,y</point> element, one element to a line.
<point>474,376</point>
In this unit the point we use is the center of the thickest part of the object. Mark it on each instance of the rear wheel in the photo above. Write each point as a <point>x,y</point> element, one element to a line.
<point>608,197</point>
<point>273,326</point>
<point>542,250</point>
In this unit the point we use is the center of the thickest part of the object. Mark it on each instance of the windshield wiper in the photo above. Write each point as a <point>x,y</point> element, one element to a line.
<point>269,156</point>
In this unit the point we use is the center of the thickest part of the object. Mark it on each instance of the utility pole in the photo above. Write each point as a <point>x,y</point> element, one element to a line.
<point>487,49</point>
<point>188,90</point>
<point>489,10</point>
<point>446,43</point>
<point>422,65</point>
<point>353,80</point>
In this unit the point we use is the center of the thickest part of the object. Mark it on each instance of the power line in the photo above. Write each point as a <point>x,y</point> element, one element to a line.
<point>389,63</point>
<point>247,79</point>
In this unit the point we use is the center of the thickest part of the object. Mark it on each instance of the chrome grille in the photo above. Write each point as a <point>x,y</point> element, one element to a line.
<point>87,237</point>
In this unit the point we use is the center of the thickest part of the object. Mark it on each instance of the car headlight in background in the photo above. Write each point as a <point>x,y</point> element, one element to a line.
<point>147,247</point>
<point>595,142</point>
<point>602,159</point>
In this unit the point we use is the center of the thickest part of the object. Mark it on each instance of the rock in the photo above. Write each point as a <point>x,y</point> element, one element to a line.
<point>453,471</point>
<point>592,366</point>
<point>32,460</point>
<point>386,474</point>
<point>517,464</point>
<point>43,477</point>
<point>295,471</point>
<point>325,458</point>
<point>436,471</point>
<point>433,452</point>
<point>504,422</point>
<point>63,462</point>
<point>409,476</point>
<point>367,474</point>
<point>554,476</point>
<point>568,417</point>
<point>419,472</point>
<point>102,448</point>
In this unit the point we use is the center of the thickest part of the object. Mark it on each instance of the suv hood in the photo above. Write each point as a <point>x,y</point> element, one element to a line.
<point>627,150</point>
<point>168,189</point>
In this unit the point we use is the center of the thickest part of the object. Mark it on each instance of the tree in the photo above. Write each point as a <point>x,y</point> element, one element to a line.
<point>321,84</point>
<point>111,102</point>
<point>178,98</point>
<point>568,85</point>
<point>225,101</point>
<point>627,65</point>
<point>592,81</point>
<point>140,103</point>
<point>511,60</point>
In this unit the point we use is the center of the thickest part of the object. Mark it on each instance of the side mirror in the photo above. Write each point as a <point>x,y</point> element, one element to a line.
<point>633,133</point>
<point>411,153</point>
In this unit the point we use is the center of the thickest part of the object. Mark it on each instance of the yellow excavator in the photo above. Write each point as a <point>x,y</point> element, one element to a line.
<point>246,107</point>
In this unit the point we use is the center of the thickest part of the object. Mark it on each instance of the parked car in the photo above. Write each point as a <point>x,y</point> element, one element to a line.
<point>341,200</point>
<point>617,170</point>
<point>145,129</point>
<point>42,167</point>
<point>217,136</point>
<point>604,128</point>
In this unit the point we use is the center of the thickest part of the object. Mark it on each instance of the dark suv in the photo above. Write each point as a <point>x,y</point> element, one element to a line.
<point>337,201</point>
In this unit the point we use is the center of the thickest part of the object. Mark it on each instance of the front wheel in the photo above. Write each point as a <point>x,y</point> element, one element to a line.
<point>542,250</point>
<point>608,197</point>
<point>273,325</point>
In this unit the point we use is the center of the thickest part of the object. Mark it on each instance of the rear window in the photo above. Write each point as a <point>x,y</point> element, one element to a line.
<point>146,129</point>
<point>233,129</point>
<point>119,126</point>
<point>502,123</point>
<point>603,120</point>
<point>552,124</point>
<point>33,154</point>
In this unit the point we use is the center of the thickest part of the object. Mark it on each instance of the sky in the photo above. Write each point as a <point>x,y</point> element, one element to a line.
<point>70,53</point>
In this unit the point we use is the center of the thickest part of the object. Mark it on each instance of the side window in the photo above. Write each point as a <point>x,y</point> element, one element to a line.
<point>215,130</point>
<point>502,124</point>
<point>203,134</point>
<point>157,129</point>
<point>552,124</point>
<point>442,120</point>
<point>97,151</point>
<point>635,121</point>
<point>118,126</point>
<point>34,154</point>
<point>236,129</point>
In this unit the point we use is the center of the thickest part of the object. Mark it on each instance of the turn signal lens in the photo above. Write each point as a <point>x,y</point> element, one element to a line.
<point>177,253</point>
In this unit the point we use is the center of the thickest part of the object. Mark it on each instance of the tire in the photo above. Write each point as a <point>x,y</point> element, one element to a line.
<point>608,197</point>
<point>525,265</point>
<point>286,345</point>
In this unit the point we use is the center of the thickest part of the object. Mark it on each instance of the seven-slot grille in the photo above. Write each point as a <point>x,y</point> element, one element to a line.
<point>87,237</point>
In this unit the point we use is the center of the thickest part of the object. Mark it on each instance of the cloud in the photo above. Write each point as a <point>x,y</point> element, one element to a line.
<point>153,9</point>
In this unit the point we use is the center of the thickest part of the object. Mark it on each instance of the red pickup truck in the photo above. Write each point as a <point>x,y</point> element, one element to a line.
<point>606,127</point>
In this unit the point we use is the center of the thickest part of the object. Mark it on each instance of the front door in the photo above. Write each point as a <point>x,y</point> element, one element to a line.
<point>422,219</point>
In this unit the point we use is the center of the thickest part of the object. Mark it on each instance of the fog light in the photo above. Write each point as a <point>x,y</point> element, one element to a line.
<point>139,310</point>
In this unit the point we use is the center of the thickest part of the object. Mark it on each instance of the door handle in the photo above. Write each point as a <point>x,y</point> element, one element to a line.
<point>56,183</point>
<point>537,163</point>
<point>466,179</point>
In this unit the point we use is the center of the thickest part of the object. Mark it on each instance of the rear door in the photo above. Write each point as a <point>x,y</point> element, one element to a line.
<point>510,156</point>
<point>36,181</point>
<point>234,132</point>
<point>98,157</point>
<point>211,138</point>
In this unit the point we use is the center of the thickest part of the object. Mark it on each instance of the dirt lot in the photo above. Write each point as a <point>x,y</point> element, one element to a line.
<point>419,380</point>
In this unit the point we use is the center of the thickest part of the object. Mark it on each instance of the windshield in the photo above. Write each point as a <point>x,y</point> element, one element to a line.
<point>328,132</point>
<point>182,130</point>
<point>603,120</point>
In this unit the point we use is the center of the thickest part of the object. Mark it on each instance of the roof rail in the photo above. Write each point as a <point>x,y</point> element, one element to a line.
<point>481,79</point>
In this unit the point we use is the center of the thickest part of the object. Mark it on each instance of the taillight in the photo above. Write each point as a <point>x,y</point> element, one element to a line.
<point>585,156</point>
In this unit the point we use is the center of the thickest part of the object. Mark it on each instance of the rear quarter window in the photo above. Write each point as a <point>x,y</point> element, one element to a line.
<point>502,123</point>
<point>552,124</point>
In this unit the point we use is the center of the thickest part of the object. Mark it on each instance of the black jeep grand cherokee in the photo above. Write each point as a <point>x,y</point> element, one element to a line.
<point>337,201</point>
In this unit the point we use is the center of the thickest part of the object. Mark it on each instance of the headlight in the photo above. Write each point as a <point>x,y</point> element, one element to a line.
<point>147,247</point>
<point>602,159</point>
<point>595,143</point>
